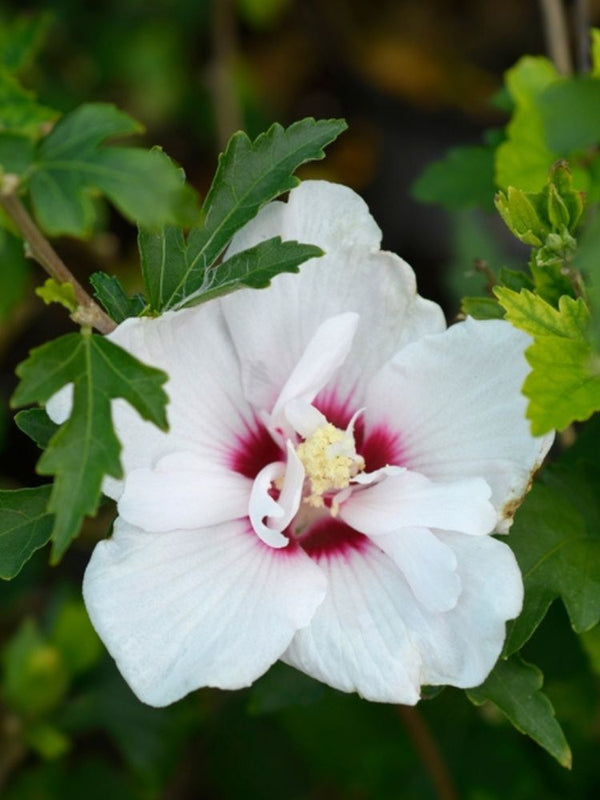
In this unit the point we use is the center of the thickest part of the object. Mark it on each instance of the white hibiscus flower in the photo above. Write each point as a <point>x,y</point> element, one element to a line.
<point>335,465</point>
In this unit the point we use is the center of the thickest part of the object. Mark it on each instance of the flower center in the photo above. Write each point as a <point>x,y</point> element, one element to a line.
<point>330,461</point>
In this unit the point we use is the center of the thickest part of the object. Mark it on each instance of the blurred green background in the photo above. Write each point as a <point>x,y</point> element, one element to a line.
<point>412,79</point>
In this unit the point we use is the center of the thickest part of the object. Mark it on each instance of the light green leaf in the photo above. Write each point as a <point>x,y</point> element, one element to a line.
<point>595,34</point>
<point>524,159</point>
<point>515,688</point>
<point>116,301</point>
<point>254,268</point>
<point>564,384</point>
<point>250,174</point>
<point>35,423</point>
<point>72,165</point>
<point>72,633</point>
<point>463,179</point>
<point>86,448</point>
<point>54,292</point>
<point>25,526</point>
<point>556,540</point>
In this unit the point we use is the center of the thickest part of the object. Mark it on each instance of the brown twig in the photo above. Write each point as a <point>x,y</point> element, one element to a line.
<point>88,312</point>
<point>429,752</point>
<point>557,35</point>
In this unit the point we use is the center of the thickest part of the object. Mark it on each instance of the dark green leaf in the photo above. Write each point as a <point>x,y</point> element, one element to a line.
<point>20,39</point>
<point>35,423</point>
<point>72,165</point>
<point>283,687</point>
<point>25,526</point>
<point>514,687</point>
<point>515,279</point>
<point>482,308</point>
<point>16,152</point>
<point>14,273</point>
<point>254,268</point>
<point>250,174</point>
<point>86,448</point>
<point>556,539</point>
<point>116,301</point>
<point>20,113</point>
<point>463,179</point>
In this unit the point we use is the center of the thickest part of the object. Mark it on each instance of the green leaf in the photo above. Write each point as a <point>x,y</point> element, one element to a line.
<point>20,113</point>
<point>570,113</point>
<point>16,153</point>
<point>86,448</point>
<point>254,268</point>
<point>72,165</point>
<point>463,179</point>
<point>515,688</point>
<point>54,292</point>
<point>116,301</point>
<point>564,384</point>
<point>556,540</point>
<point>47,740</point>
<point>35,423</point>
<point>524,159</point>
<point>481,308</point>
<point>250,174</point>
<point>73,634</point>
<point>14,273</point>
<point>20,38</point>
<point>35,678</point>
<point>25,526</point>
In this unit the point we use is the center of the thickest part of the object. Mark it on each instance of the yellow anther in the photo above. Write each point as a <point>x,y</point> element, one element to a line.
<point>330,461</point>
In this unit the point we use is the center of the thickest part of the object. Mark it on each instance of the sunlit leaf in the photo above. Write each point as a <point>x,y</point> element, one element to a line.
<point>564,384</point>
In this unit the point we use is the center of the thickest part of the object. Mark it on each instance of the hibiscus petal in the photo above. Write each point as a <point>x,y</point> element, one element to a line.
<point>206,411</point>
<point>326,351</point>
<point>461,646</point>
<point>183,491</point>
<point>372,635</point>
<point>352,276</point>
<point>407,499</point>
<point>357,639</point>
<point>428,565</point>
<point>210,607</point>
<point>456,401</point>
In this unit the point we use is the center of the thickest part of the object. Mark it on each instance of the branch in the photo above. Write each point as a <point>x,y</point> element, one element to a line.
<point>429,752</point>
<point>581,24</point>
<point>88,311</point>
<point>557,35</point>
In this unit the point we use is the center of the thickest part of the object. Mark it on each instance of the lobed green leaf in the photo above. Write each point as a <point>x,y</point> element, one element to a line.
<point>115,300</point>
<point>86,448</point>
<point>515,688</point>
<point>73,165</point>
<point>25,526</point>
<point>250,174</point>
<point>35,423</point>
<point>564,384</point>
<point>464,178</point>
<point>254,268</point>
